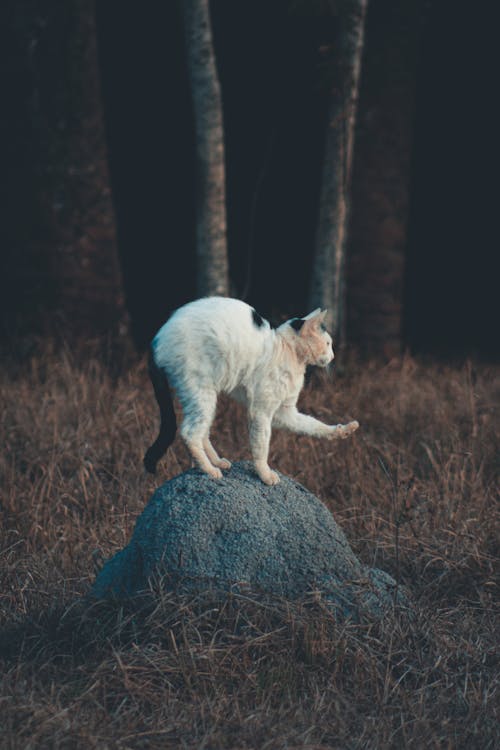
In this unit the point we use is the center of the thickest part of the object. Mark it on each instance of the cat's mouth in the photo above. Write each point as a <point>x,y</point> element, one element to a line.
<point>324,361</point>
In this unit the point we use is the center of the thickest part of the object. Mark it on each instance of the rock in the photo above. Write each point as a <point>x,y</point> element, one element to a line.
<point>239,532</point>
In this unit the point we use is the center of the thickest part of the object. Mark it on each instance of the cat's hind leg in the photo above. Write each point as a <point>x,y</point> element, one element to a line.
<point>212,454</point>
<point>198,410</point>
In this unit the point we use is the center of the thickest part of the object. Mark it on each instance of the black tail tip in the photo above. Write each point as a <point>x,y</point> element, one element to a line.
<point>150,462</point>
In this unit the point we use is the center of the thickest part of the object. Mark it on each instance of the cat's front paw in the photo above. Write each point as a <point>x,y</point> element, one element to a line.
<point>342,431</point>
<point>214,472</point>
<point>223,463</point>
<point>268,476</point>
<point>348,429</point>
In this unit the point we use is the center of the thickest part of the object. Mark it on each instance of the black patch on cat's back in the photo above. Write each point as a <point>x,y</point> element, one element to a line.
<point>258,320</point>
<point>297,323</point>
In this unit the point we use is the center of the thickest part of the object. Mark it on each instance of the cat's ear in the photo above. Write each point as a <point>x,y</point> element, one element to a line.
<point>313,314</point>
<point>316,318</point>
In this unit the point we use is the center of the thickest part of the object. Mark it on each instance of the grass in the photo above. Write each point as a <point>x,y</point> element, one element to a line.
<point>415,490</point>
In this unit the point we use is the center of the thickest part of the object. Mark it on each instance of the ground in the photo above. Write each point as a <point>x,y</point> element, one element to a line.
<point>415,490</point>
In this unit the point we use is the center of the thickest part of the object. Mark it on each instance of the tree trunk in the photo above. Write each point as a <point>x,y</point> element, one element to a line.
<point>59,266</point>
<point>327,282</point>
<point>211,244</point>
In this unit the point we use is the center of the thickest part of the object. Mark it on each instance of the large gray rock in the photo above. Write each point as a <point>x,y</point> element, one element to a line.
<point>238,532</point>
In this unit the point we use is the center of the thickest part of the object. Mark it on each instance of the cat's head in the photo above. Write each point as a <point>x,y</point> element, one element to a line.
<point>312,341</point>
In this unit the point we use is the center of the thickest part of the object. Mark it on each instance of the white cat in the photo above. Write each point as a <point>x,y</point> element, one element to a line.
<point>216,345</point>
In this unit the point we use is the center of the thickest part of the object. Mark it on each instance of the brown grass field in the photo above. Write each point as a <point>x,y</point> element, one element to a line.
<point>415,490</point>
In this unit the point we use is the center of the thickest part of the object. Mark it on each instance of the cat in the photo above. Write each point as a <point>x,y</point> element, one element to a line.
<point>219,344</point>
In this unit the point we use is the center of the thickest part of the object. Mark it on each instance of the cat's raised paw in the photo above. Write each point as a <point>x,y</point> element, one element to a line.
<point>223,463</point>
<point>342,431</point>
<point>348,429</point>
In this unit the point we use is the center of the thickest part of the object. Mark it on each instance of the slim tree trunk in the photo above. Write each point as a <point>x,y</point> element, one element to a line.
<point>327,282</point>
<point>212,272</point>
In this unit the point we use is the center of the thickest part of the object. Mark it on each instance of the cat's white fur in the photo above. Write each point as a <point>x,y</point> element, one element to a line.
<point>214,345</point>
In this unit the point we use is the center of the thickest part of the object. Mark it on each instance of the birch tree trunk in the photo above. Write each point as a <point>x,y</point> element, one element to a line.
<point>327,281</point>
<point>211,242</point>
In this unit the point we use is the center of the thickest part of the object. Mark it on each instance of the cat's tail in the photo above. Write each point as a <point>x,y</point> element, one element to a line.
<point>168,425</point>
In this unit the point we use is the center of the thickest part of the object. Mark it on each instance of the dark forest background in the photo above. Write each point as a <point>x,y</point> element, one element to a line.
<point>97,181</point>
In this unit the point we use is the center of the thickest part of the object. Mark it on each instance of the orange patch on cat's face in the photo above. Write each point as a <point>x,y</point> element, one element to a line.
<point>319,343</point>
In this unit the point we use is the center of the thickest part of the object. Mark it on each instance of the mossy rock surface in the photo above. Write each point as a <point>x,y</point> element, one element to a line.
<point>238,533</point>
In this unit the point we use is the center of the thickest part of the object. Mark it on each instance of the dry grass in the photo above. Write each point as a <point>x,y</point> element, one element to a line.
<point>415,491</point>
